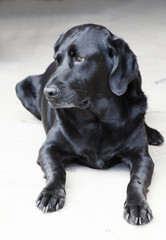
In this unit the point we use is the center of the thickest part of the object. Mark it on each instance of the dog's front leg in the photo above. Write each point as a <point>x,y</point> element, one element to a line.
<point>136,208</point>
<point>52,197</point>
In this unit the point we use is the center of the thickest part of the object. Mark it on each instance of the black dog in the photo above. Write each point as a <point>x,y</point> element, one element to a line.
<point>93,112</point>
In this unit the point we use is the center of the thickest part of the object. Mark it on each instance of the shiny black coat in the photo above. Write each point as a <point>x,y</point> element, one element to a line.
<point>93,112</point>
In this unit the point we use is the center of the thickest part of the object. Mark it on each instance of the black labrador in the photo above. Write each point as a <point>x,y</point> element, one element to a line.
<point>93,112</point>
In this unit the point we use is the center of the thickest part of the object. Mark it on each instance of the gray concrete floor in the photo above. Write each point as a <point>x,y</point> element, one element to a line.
<point>94,204</point>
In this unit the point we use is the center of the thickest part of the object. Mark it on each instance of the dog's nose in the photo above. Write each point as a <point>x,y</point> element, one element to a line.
<point>51,92</point>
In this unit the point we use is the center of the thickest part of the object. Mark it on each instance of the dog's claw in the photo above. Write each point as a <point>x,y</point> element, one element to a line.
<point>47,208</point>
<point>140,220</point>
<point>44,210</point>
<point>57,207</point>
<point>127,216</point>
<point>136,220</point>
<point>38,203</point>
<point>149,217</point>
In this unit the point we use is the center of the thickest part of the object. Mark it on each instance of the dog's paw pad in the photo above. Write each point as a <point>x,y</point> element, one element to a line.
<point>51,200</point>
<point>137,213</point>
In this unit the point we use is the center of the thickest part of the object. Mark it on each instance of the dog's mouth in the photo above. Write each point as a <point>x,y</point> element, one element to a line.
<point>83,104</point>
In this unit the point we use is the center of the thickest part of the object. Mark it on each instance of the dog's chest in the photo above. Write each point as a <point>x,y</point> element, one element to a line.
<point>96,147</point>
<point>93,144</point>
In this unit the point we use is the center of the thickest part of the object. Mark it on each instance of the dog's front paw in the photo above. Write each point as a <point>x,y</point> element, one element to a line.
<point>137,212</point>
<point>51,200</point>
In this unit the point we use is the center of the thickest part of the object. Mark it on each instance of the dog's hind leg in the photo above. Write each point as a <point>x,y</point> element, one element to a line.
<point>154,137</point>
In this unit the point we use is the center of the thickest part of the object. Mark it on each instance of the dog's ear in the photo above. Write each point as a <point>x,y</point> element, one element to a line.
<point>59,41</point>
<point>30,90</point>
<point>125,66</point>
<point>27,92</point>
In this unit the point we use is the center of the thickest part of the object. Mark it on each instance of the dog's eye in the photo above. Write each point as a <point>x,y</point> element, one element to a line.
<point>79,59</point>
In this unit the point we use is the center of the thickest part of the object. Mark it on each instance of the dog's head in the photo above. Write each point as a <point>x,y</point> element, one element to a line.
<point>90,62</point>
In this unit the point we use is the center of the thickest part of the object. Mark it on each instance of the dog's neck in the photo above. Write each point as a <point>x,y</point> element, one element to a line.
<point>107,111</point>
<point>110,111</point>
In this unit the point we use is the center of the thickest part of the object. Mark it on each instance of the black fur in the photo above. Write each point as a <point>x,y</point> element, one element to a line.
<point>93,113</point>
